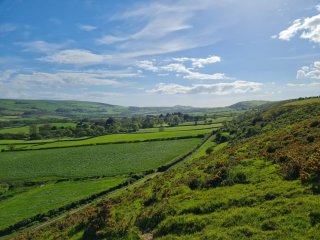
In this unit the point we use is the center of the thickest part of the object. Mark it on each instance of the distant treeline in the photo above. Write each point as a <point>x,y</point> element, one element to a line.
<point>111,125</point>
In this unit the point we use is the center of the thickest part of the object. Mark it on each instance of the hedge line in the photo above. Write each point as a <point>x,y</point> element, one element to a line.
<point>107,143</point>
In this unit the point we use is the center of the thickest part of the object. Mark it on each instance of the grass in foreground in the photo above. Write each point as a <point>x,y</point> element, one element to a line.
<point>106,160</point>
<point>44,198</point>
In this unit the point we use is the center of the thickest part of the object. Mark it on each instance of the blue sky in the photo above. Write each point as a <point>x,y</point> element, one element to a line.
<point>160,53</point>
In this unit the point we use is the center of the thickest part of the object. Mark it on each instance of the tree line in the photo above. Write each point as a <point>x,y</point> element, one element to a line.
<point>111,125</point>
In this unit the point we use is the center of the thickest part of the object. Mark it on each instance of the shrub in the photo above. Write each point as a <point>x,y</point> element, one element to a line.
<point>180,225</point>
<point>314,218</point>
<point>150,218</point>
<point>315,124</point>
<point>291,169</point>
<point>236,176</point>
<point>269,225</point>
<point>310,139</point>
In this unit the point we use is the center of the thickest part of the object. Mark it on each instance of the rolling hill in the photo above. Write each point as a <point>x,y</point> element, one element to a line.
<point>260,181</point>
<point>14,109</point>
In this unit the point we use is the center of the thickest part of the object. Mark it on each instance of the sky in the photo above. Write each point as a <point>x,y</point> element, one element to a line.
<point>204,53</point>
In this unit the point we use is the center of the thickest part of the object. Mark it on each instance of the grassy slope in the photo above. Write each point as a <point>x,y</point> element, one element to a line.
<point>107,160</point>
<point>47,197</point>
<point>239,192</point>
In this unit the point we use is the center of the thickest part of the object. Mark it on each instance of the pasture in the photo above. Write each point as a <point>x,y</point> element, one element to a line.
<point>115,138</point>
<point>181,128</point>
<point>44,198</point>
<point>101,160</point>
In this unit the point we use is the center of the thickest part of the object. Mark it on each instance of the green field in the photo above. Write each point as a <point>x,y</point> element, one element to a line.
<point>182,128</point>
<point>25,129</point>
<point>106,160</point>
<point>44,198</point>
<point>115,138</point>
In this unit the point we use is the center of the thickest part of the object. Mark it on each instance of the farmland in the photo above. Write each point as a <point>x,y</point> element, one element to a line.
<point>60,173</point>
<point>247,187</point>
<point>181,128</point>
<point>50,196</point>
<point>105,160</point>
<point>25,129</point>
<point>114,138</point>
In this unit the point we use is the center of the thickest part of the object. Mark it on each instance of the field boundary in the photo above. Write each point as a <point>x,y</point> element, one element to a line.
<point>76,204</point>
<point>108,143</point>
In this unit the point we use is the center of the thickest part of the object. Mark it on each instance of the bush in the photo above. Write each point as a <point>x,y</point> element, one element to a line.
<point>314,218</point>
<point>180,225</point>
<point>315,124</point>
<point>236,176</point>
<point>269,225</point>
<point>310,139</point>
<point>291,169</point>
<point>150,218</point>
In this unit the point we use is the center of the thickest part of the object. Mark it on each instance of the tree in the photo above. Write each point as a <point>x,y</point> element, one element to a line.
<point>33,130</point>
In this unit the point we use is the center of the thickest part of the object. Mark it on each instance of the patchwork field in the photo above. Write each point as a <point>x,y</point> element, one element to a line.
<point>106,160</point>
<point>114,138</point>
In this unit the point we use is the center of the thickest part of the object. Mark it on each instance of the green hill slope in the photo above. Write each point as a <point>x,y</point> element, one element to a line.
<point>11,109</point>
<point>248,105</point>
<point>263,184</point>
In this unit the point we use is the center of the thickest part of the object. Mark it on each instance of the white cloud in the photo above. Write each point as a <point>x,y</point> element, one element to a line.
<point>41,46</point>
<point>59,79</point>
<point>7,27</point>
<point>86,27</point>
<point>299,85</point>
<point>236,87</point>
<point>147,65</point>
<point>309,28</point>
<point>310,72</point>
<point>179,68</point>
<point>110,39</point>
<point>199,62</point>
<point>76,56</point>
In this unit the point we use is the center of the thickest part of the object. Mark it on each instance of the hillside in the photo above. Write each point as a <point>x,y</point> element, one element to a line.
<point>247,105</point>
<point>15,109</point>
<point>261,180</point>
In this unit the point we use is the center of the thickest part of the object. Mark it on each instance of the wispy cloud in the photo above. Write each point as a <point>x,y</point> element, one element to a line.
<point>236,87</point>
<point>7,27</point>
<point>162,28</point>
<point>299,85</point>
<point>41,46</point>
<point>87,27</point>
<point>64,78</point>
<point>309,28</point>
<point>76,56</point>
<point>310,72</point>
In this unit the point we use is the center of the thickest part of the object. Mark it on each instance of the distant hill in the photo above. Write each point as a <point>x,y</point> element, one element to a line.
<point>247,105</point>
<point>14,108</point>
